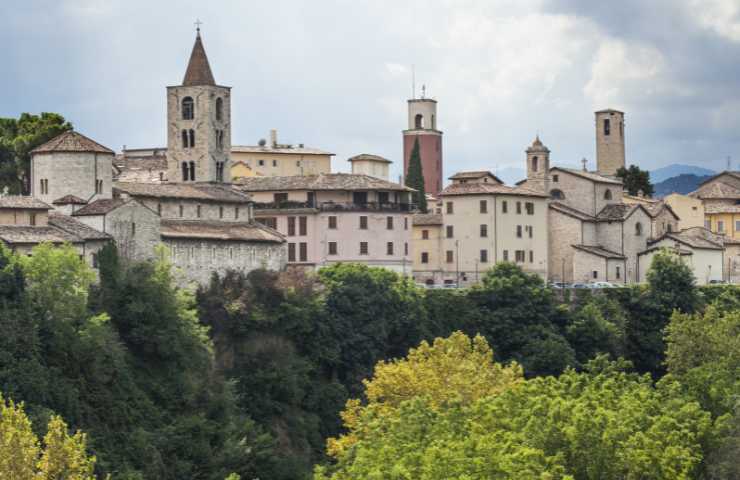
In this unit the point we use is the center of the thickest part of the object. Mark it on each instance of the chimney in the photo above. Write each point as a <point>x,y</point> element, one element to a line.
<point>273,138</point>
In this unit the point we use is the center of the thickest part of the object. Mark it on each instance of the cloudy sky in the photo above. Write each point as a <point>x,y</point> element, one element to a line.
<point>336,74</point>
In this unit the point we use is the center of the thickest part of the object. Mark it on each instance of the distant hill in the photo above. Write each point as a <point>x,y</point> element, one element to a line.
<point>664,173</point>
<point>685,183</point>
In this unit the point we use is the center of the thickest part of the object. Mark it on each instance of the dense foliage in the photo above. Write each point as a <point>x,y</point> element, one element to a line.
<point>636,181</point>
<point>250,375</point>
<point>17,138</point>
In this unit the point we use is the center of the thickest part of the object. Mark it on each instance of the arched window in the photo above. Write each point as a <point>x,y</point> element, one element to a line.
<point>192,170</point>
<point>556,194</point>
<point>419,121</point>
<point>192,138</point>
<point>534,163</point>
<point>219,109</point>
<point>185,139</point>
<point>638,229</point>
<point>184,171</point>
<point>188,108</point>
<point>608,194</point>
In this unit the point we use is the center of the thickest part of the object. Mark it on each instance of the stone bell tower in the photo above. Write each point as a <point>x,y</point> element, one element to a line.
<point>422,124</point>
<point>198,124</point>
<point>538,167</point>
<point>609,141</point>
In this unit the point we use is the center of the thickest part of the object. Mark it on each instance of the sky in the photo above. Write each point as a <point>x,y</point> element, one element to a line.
<point>336,74</point>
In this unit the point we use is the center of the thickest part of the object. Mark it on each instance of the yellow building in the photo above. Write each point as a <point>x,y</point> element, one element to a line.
<point>272,159</point>
<point>426,248</point>
<point>720,196</point>
<point>690,210</point>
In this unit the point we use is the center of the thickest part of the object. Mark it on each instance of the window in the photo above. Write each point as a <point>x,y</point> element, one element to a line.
<point>483,206</point>
<point>405,223</point>
<point>188,108</point>
<point>484,256</point>
<point>531,256</point>
<point>720,225</point>
<point>32,218</point>
<point>638,229</point>
<point>529,207</point>
<point>450,231</point>
<point>303,226</point>
<point>389,248</point>
<point>608,194</point>
<point>424,257</point>
<point>333,222</point>
<point>191,134</point>
<point>219,109</point>
<point>359,198</point>
<point>504,207</point>
<point>291,252</point>
<point>449,256</point>
<point>425,234</point>
<point>670,228</point>
<point>98,186</point>
<point>363,248</point>
<point>534,163</point>
<point>332,248</point>
<point>389,223</point>
<point>529,230</point>
<point>185,172</point>
<point>363,222</point>
<point>619,272</point>
<point>484,230</point>
<point>607,129</point>
<point>708,224</point>
<point>506,255</point>
<point>231,253</point>
<point>519,256</point>
<point>518,208</point>
<point>192,171</point>
<point>518,231</point>
<point>197,211</point>
<point>236,213</point>
<point>44,186</point>
<point>268,221</point>
<point>555,178</point>
<point>133,229</point>
<point>595,274</point>
<point>261,163</point>
<point>185,141</point>
<point>297,163</point>
<point>159,209</point>
<point>274,163</point>
<point>291,226</point>
<point>419,121</point>
<point>181,210</point>
<point>406,248</point>
<point>383,197</point>
<point>303,252</point>
<point>279,198</point>
<point>556,194</point>
<point>449,207</point>
<point>95,260</point>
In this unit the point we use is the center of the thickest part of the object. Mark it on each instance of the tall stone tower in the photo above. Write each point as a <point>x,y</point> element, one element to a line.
<point>198,124</point>
<point>423,125</point>
<point>538,167</point>
<point>609,141</point>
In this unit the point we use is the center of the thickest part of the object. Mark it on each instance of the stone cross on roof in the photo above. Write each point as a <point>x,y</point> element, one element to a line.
<point>584,161</point>
<point>197,24</point>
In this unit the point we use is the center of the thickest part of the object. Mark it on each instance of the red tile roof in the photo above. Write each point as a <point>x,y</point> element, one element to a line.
<point>71,141</point>
<point>199,70</point>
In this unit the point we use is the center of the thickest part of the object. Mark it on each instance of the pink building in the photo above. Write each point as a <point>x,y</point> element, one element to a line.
<point>336,217</point>
<point>422,126</point>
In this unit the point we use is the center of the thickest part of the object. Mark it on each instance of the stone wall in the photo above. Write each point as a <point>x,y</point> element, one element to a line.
<point>564,232</point>
<point>71,173</point>
<point>135,229</point>
<point>198,259</point>
<point>170,209</point>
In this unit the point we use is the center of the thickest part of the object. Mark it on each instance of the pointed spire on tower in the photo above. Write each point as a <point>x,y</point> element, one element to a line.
<point>199,70</point>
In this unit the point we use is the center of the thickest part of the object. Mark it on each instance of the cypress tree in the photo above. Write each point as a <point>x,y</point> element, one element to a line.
<point>415,177</point>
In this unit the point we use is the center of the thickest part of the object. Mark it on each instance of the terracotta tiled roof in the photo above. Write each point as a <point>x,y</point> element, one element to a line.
<point>573,212</point>
<point>24,234</point>
<point>99,207</point>
<point>473,175</point>
<point>690,238</point>
<point>141,169</point>
<point>199,70</point>
<point>600,251</point>
<point>716,190</point>
<point>214,230</point>
<point>23,202</point>
<point>75,227</point>
<point>279,149</point>
<point>427,219</point>
<point>368,156</point>
<point>69,200</point>
<point>324,181</point>
<point>487,188</point>
<point>654,209</point>
<point>617,211</point>
<point>593,176</point>
<point>71,141</point>
<point>204,192</point>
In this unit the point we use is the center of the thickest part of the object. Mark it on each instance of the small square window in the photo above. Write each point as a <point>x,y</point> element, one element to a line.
<point>450,231</point>
<point>363,248</point>
<point>449,207</point>
<point>363,222</point>
<point>332,222</point>
<point>389,248</point>
<point>449,256</point>
<point>425,234</point>
<point>484,256</point>
<point>332,248</point>
<point>424,257</point>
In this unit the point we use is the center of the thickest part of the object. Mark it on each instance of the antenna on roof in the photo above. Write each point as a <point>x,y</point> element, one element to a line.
<point>729,163</point>
<point>423,91</point>
<point>413,82</point>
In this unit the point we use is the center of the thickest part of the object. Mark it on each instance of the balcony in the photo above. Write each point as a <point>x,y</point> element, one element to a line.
<point>337,206</point>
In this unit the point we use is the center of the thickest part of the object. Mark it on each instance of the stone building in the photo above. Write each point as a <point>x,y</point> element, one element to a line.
<point>373,165</point>
<point>336,217</point>
<point>610,155</point>
<point>702,251</point>
<point>422,126</point>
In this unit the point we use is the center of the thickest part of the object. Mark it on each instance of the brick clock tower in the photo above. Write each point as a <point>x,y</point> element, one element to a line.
<point>423,125</point>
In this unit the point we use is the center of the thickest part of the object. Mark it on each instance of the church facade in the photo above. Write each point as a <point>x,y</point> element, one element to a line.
<point>206,224</point>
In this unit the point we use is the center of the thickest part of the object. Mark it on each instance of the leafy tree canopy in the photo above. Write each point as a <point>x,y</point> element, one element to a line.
<point>636,180</point>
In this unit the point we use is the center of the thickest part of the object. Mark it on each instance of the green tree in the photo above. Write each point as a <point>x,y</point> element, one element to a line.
<point>597,327</point>
<point>17,139</point>
<point>636,180</point>
<point>415,177</point>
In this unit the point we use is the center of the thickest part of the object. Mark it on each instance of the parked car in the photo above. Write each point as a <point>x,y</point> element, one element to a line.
<point>450,285</point>
<point>602,285</point>
<point>559,285</point>
<point>716,282</point>
<point>580,285</point>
